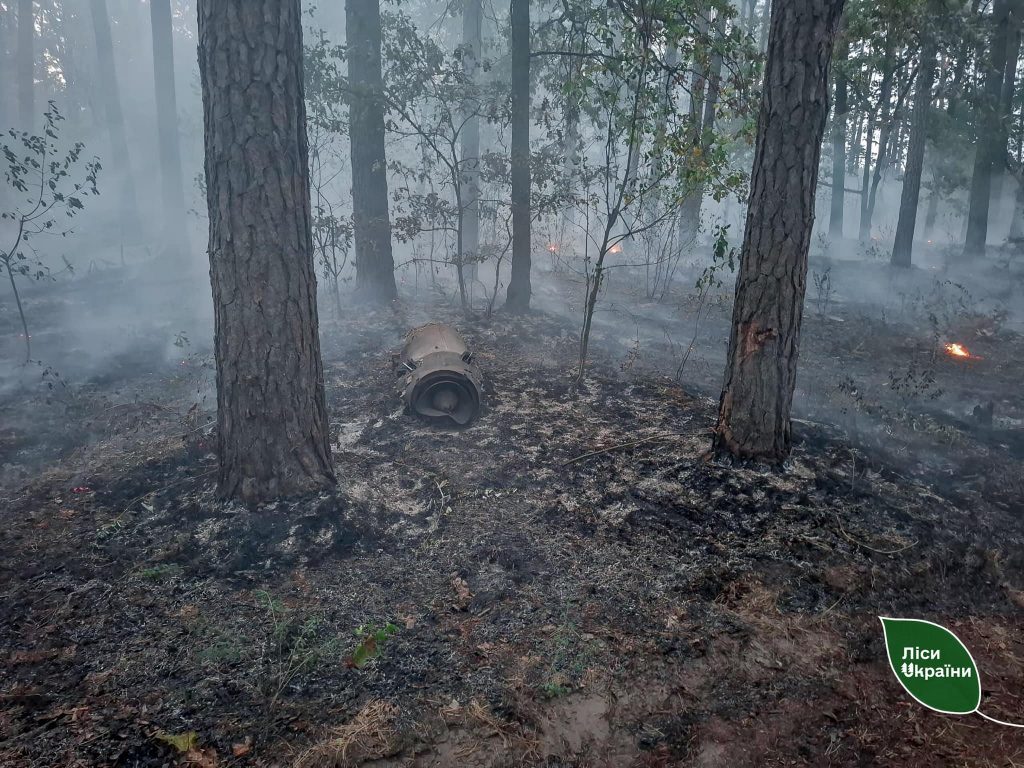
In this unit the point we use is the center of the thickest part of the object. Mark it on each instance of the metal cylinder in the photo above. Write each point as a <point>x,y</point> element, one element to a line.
<point>439,380</point>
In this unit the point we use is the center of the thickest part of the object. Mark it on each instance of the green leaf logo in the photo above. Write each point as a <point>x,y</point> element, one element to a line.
<point>933,665</point>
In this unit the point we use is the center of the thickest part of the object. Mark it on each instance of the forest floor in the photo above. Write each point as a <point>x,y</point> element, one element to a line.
<point>571,581</point>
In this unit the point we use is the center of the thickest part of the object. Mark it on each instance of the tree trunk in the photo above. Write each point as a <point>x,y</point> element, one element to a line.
<point>1006,110</point>
<point>864,226</point>
<point>517,298</point>
<point>26,65</point>
<point>375,264</point>
<point>838,201</point>
<point>111,95</point>
<point>175,229</point>
<point>754,411</point>
<point>762,38</point>
<point>903,245</point>
<point>689,209</point>
<point>707,124</point>
<point>472,19</point>
<point>991,143</point>
<point>888,118</point>
<point>272,427</point>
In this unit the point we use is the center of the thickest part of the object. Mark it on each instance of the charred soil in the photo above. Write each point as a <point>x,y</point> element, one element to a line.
<point>572,580</point>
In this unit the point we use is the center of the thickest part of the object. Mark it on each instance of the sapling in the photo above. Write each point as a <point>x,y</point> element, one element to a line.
<point>45,184</point>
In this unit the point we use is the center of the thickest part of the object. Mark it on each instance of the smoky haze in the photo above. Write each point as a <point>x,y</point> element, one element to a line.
<point>111,299</point>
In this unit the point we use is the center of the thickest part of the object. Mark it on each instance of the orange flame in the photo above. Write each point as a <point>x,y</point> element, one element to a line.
<point>959,350</point>
<point>617,248</point>
<point>552,248</point>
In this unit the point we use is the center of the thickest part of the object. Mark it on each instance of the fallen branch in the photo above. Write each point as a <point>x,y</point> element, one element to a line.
<point>610,448</point>
<point>852,540</point>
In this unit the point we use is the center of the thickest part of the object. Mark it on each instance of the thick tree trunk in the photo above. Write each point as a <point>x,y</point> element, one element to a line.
<point>760,376</point>
<point>111,95</point>
<point>472,21</point>
<point>26,65</point>
<point>838,201</point>
<point>375,263</point>
<point>272,424</point>
<point>175,229</point>
<point>517,298</point>
<point>903,245</point>
<point>991,143</point>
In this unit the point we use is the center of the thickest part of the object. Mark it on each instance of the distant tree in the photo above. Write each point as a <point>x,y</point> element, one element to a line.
<point>272,427</point>
<point>906,225</point>
<point>175,231</point>
<point>517,297</point>
<point>990,147</point>
<point>111,95</point>
<point>375,264</point>
<point>840,117</point>
<point>472,22</point>
<point>26,64</point>
<point>760,376</point>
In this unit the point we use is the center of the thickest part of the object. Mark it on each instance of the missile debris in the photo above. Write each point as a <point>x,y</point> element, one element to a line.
<point>439,379</point>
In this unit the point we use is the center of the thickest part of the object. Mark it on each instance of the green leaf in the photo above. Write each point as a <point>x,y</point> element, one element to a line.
<point>932,665</point>
<point>182,742</point>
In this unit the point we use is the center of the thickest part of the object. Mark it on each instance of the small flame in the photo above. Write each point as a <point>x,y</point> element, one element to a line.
<point>959,350</point>
<point>552,248</point>
<point>617,248</point>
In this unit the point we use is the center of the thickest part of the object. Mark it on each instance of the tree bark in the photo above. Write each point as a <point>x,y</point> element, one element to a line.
<point>754,411</point>
<point>272,427</point>
<point>111,96</point>
<point>991,143</point>
<point>26,65</point>
<point>838,201</point>
<point>903,245</point>
<point>472,22</point>
<point>375,263</point>
<point>517,297</point>
<point>172,186</point>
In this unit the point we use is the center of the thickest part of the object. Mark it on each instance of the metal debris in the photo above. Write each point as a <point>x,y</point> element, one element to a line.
<point>439,380</point>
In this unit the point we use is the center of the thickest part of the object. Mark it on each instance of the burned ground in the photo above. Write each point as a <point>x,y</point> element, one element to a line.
<point>572,580</point>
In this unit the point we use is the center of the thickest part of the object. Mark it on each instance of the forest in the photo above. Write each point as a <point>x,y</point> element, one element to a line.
<point>500,383</point>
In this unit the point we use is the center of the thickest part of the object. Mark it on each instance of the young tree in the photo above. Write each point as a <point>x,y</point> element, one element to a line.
<point>114,115</point>
<point>375,264</point>
<point>903,245</point>
<point>760,376</point>
<point>517,298</point>
<point>175,231</point>
<point>26,64</point>
<point>47,185</point>
<point>272,427</point>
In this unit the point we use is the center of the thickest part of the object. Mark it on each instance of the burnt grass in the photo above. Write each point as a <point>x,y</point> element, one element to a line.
<point>572,580</point>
